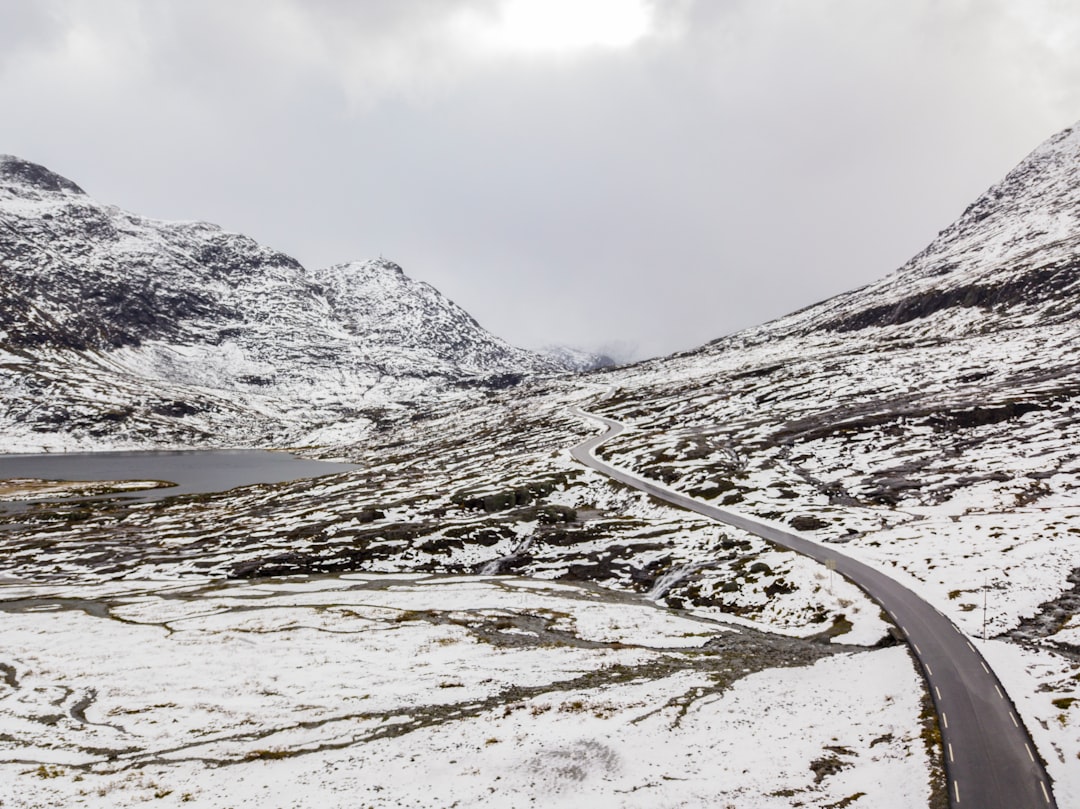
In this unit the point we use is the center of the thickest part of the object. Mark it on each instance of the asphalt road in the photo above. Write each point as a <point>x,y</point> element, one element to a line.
<point>990,759</point>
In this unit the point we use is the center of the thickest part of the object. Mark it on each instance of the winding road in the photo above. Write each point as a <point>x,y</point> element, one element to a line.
<point>990,759</point>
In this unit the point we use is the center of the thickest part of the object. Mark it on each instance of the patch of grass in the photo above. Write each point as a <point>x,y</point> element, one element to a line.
<point>411,615</point>
<point>268,755</point>
<point>935,752</point>
<point>826,766</point>
<point>845,802</point>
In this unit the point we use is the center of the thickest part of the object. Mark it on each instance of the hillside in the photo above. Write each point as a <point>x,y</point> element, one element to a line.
<point>116,329</point>
<point>929,422</point>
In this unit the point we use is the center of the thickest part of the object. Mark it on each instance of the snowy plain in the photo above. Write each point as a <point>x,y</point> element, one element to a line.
<point>357,690</point>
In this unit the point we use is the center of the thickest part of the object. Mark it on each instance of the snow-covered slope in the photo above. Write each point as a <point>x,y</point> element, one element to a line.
<point>115,328</point>
<point>577,360</point>
<point>929,421</point>
<point>1011,259</point>
<point>417,328</point>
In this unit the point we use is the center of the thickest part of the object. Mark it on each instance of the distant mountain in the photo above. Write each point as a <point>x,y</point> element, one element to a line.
<point>119,328</point>
<point>575,359</point>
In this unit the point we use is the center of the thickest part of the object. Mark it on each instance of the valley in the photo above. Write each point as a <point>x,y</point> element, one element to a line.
<point>473,609</point>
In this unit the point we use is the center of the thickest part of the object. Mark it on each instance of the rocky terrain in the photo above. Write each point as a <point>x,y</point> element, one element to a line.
<point>118,330</point>
<point>927,422</point>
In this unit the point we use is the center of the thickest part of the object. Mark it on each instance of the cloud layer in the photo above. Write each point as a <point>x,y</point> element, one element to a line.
<point>646,174</point>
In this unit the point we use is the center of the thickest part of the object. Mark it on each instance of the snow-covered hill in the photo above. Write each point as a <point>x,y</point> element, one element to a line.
<point>116,329</point>
<point>577,360</point>
<point>1011,259</point>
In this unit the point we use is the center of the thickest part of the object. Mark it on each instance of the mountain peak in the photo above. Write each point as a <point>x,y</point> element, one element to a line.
<point>370,265</point>
<point>1010,259</point>
<point>15,170</point>
<point>383,264</point>
<point>377,300</point>
<point>1035,204</point>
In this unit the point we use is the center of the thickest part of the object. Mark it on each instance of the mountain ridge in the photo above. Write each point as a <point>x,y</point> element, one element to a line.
<point>208,314</point>
<point>1018,242</point>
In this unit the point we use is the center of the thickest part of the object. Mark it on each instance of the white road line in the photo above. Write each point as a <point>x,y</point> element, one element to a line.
<point>903,629</point>
<point>938,690</point>
<point>944,719</point>
<point>1045,793</point>
<point>1012,716</point>
<point>956,789</point>
<point>981,663</point>
<point>915,646</point>
<point>1028,748</point>
<point>929,670</point>
<point>1000,695</point>
<point>971,647</point>
<point>951,758</point>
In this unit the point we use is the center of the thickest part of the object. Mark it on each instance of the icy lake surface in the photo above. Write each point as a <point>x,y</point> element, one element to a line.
<point>192,472</point>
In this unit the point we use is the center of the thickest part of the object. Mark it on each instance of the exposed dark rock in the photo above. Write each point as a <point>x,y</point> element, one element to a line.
<point>35,176</point>
<point>808,522</point>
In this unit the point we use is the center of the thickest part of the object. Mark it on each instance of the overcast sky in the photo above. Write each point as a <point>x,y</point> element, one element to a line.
<point>642,175</point>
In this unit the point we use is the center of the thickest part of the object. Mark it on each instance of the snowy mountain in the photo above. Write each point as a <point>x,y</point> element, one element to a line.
<point>576,359</point>
<point>118,328</point>
<point>1011,259</point>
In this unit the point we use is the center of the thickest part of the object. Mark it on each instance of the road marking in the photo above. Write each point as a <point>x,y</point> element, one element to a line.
<point>956,789</point>
<point>938,690</point>
<point>903,629</point>
<point>981,663</point>
<point>929,670</point>
<point>1045,793</point>
<point>971,647</point>
<point>1032,757</point>
<point>1012,716</point>
<point>951,758</point>
<point>1002,696</point>
<point>915,646</point>
<point>944,719</point>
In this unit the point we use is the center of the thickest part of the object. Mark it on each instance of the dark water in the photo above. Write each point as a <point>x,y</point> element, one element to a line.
<point>193,472</point>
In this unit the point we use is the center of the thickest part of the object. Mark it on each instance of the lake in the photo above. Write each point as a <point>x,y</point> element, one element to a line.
<point>193,471</point>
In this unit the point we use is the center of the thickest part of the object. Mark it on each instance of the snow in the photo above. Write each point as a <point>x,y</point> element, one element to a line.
<point>347,691</point>
<point>928,424</point>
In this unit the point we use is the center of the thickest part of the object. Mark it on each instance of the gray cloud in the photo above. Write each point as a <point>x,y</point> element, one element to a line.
<point>745,159</point>
<point>26,26</point>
